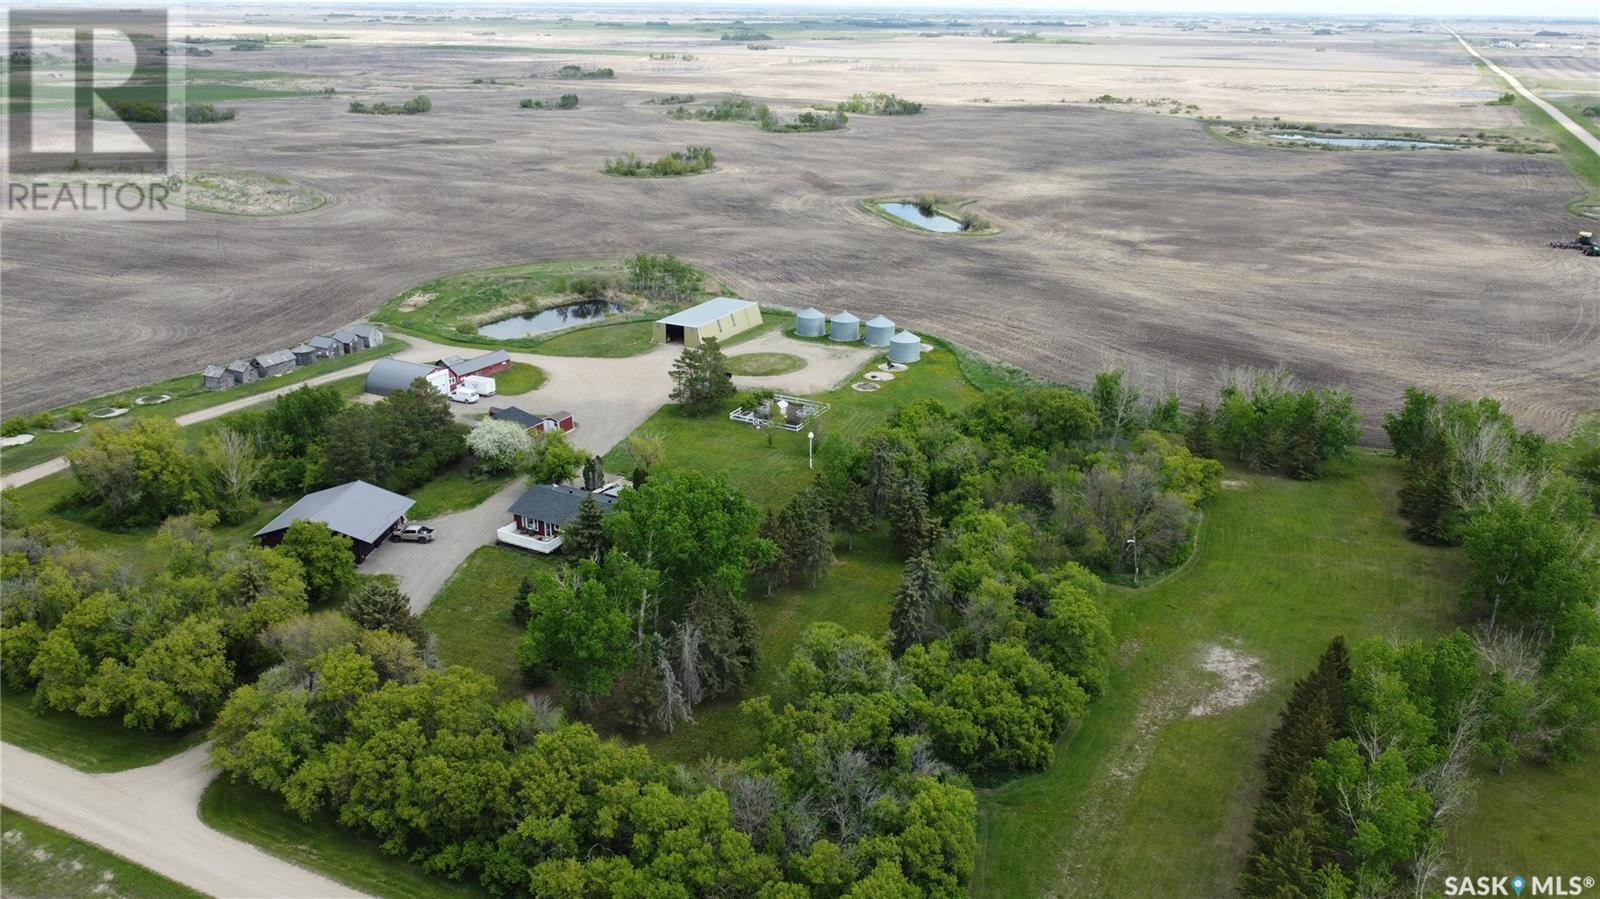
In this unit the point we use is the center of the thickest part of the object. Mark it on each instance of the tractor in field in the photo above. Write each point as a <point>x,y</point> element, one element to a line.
<point>1585,243</point>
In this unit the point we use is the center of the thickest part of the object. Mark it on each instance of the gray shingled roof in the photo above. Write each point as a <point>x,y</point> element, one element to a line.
<point>322,341</point>
<point>475,364</point>
<point>358,510</point>
<point>213,371</point>
<point>237,365</point>
<point>364,329</point>
<point>515,415</point>
<point>556,504</point>
<point>302,348</point>
<point>276,357</point>
<point>344,335</point>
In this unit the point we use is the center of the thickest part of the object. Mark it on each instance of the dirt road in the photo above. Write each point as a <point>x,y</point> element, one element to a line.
<point>1578,131</point>
<point>148,816</point>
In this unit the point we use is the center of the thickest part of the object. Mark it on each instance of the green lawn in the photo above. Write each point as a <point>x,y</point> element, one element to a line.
<point>471,616</point>
<point>1533,818</point>
<point>39,860</point>
<point>88,744</point>
<point>612,341</point>
<point>1145,800</point>
<point>453,491</point>
<point>187,396</point>
<point>321,845</point>
<point>519,378</point>
<point>769,475</point>
<point>857,594</point>
<point>765,364</point>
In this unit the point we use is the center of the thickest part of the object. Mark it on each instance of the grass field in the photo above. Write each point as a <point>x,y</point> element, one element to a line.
<point>471,615</point>
<point>453,491</point>
<point>769,475</point>
<point>1145,799</point>
<point>39,860</point>
<point>321,845</point>
<point>519,378</point>
<point>765,364</point>
<point>1532,818</point>
<point>95,745</point>
<point>188,395</point>
<point>857,594</point>
<point>612,341</point>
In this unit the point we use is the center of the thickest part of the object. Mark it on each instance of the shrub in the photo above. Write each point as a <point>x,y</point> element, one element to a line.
<point>414,106</point>
<point>879,103</point>
<point>664,278</point>
<point>11,427</point>
<point>692,161</point>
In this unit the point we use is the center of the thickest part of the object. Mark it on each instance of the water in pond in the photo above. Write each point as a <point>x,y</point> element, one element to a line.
<point>1360,142</point>
<point>908,212</point>
<point>547,320</point>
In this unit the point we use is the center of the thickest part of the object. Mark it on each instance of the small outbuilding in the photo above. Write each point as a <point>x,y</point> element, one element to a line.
<point>271,365</point>
<point>905,348</point>
<point>242,372</point>
<point>368,335</point>
<point>533,421</point>
<point>326,347</point>
<point>348,341</point>
<point>721,318</point>
<point>810,322</point>
<point>845,326</point>
<point>304,354</point>
<point>365,513</point>
<point>538,515</point>
<point>216,377</point>
<point>880,331</point>
<point>389,376</point>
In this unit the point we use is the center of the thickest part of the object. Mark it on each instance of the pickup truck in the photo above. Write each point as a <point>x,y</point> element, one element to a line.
<point>415,533</point>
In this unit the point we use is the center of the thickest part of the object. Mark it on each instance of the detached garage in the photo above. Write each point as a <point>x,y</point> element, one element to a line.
<point>721,318</point>
<point>365,513</point>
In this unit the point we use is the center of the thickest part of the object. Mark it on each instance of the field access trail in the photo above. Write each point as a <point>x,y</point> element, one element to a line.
<point>149,817</point>
<point>1578,131</point>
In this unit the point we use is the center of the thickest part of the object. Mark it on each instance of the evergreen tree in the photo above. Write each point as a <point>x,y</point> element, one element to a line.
<point>702,378</point>
<point>910,523</point>
<point>1202,435</point>
<point>916,603</point>
<point>851,512</point>
<point>585,535</point>
<point>812,533</point>
<point>379,606</point>
<point>520,613</point>
<point>594,473</point>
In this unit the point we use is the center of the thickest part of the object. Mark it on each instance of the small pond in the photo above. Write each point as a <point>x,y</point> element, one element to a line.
<point>1362,142</point>
<point>547,320</point>
<point>909,213</point>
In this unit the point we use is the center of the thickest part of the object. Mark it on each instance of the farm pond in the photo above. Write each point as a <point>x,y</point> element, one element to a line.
<point>547,320</point>
<point>1364,143</point>
<point>911,214</point>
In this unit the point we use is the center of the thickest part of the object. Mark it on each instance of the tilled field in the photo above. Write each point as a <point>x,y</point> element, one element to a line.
<point>1127,239</point>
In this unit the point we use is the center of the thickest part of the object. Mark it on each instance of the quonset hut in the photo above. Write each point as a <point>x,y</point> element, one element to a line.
<point>905,348</point>
<point>845,327</point>
<point>879,331</point>
<point>810,323</point>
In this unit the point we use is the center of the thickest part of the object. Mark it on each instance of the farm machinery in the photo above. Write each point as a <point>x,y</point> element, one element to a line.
<point>1585,243</point>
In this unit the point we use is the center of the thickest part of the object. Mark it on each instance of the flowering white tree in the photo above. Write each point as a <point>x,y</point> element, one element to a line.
<point>499,445</point>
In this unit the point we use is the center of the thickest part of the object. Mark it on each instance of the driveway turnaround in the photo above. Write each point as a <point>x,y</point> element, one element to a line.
<point>149,816</point>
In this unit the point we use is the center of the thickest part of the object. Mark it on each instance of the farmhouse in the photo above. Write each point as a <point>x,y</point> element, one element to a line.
<point>389,376</point>
<point>537,516</point>
<point>363,512</point>
<point>721,318</point>
<point>533,421</point>
<point>486,365</point>
<point>270,365</point>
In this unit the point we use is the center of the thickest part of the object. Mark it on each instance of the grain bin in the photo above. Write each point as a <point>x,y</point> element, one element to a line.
<point>845,327</point>
<point>905,348</point>
<point>880,331</point>
<point>810,323</point>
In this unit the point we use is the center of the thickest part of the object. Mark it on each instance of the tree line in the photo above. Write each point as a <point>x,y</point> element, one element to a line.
<point>692,161</point>
<point>414,106</point>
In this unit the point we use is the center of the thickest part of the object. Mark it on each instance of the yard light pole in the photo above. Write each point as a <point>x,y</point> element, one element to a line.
<point>1135,544</point>
<point>811,436</point>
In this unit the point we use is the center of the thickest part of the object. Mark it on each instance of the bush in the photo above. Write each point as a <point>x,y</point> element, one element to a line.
<point>664,278</point>
<point>414,106</point>
<point>690,162</point>
<point>11,427</point>
<point>206,113</point>
<point>879,103</point>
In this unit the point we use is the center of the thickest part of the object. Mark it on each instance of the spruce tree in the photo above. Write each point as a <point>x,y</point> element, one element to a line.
<point>916,604</point>
<point>1202,435</point>
<point>851,512</point>
<point>520,613</point>
<point>585,535</point>
<point>910,523</point>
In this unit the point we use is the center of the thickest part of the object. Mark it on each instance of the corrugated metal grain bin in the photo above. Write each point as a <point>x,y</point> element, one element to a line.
<point>845,327</point>
<point>810,323</point>
<point>880,331</point>
<point>905,348</point>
